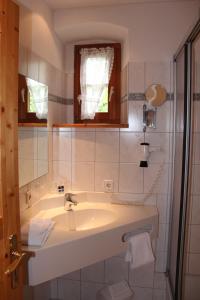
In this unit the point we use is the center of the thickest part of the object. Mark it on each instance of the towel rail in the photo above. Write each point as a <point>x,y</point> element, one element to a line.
<point>146,228</point>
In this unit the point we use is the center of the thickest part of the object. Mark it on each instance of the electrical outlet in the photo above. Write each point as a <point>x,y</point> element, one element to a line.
<point>108,186</point>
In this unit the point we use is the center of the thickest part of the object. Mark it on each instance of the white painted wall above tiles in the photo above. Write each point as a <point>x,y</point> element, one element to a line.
<point>154,29</point>
<point>37,32</point>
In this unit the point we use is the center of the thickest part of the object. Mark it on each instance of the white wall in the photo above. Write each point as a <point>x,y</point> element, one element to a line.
<point>37,32</point>
<point>154,29</point>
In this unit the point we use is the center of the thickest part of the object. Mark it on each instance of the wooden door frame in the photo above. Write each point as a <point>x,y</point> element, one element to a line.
<point>9,187</point>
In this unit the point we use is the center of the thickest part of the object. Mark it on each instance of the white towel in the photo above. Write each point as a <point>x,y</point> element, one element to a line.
<point>139,252</point>
<point>36,232</point>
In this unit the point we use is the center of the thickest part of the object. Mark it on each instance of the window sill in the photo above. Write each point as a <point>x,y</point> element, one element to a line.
<point>32,124</point>
<point>90,125</point>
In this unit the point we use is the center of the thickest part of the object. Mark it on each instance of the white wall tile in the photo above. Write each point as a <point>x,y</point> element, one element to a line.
<point>135,116</point>
<point>83,146</point>
<point>161,241</point>
<point>160,281</point>
<point>192,288</point>
<point>69,289</point>
<point>196,116</point>
<point>42,291</point>
<point>62,174</point>
<point>107,146</point>
<point>130,149</point>
<point>124,112</point>
<point>142,277</point>
<point>53,288</point>
<point>116,270</point>
<point>142,293</point>
<point>106,171</point>
<point>156,178</point>
<point>195,210</point>
<point>131,178</point>
<point>62,146</point>
<point>83,176</point>
<point>90,290</point>
<point>163,118</point>
<point>195,239</point>
<point>195,180</point>
<point>196,147</point>
<point>42,140</point>
<point>163,208</point>
<point>156,141</point>
<point>194,263</point>
<point>94,273</point>
<point>27,143</point>
<point>159,294</point>
<point>76,275</point>
<point>161,261</point>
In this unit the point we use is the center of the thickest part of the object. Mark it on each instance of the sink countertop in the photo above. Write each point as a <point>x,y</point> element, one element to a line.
<point>71,250</point>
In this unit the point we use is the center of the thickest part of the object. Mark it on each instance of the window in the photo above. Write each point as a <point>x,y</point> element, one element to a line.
<point>32,101</point>
<point>97,76</point>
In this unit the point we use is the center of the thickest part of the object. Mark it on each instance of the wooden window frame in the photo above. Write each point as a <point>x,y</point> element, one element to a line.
<point>113,115</point>
<point>24,116</point>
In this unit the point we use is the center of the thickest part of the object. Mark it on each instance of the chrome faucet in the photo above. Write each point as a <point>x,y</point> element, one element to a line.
<point>68,201</point>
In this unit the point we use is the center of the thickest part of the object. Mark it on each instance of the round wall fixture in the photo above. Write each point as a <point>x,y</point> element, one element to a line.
<point>156,94</point>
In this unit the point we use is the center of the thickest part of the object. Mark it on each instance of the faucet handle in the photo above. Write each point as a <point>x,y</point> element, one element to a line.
<point>68,197</point>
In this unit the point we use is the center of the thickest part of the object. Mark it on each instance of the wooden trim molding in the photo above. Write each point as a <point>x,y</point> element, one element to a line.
<point>90,125</point>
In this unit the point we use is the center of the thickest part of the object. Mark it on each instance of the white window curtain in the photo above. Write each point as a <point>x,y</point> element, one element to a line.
<point>39,94</point>
<point>95,71</point>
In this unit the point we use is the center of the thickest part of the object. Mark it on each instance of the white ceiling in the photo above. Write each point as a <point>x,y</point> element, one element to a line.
<point>60,4</point>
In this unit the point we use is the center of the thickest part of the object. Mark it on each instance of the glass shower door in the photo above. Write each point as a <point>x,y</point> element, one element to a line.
<point>191,275</point>
<point>180,124</point>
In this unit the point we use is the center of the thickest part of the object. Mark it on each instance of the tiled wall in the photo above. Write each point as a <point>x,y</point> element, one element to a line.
<point>82,159</point>
<point>33,153</point>
<point>85,283</point>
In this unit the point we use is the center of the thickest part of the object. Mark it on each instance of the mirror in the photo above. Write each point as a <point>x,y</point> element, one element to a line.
<point>156,95</point>
<point>32,131</point>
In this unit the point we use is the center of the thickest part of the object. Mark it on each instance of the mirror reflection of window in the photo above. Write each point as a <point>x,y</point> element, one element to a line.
<point>32,101</point>
<point>37,98</point>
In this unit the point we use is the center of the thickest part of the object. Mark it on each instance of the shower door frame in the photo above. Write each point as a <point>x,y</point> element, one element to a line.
<point>186,159</point>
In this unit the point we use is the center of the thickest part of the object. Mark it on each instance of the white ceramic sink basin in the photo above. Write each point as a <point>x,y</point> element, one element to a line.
<point>84,219</point>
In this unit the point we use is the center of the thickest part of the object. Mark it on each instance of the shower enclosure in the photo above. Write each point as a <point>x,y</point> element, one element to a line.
<point>184,250</point>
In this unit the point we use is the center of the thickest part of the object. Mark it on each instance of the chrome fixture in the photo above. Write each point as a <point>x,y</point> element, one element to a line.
<point>69,202</point>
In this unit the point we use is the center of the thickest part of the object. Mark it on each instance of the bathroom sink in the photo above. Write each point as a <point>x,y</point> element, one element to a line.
<point>84,219</point>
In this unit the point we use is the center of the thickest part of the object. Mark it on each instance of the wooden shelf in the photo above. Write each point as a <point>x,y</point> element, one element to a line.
<point>32,124</point>
<point>90,125</point>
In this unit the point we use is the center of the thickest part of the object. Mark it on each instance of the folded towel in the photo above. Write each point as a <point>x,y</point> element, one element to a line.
<point>139,250</point>
<point>116,291</point>
<point>120,290</point>
<point>36,232</point>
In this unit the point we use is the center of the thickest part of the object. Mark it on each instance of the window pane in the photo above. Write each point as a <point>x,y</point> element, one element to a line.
<point>31,104</point>
<point>95,71</point>
<point>103,106</point>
